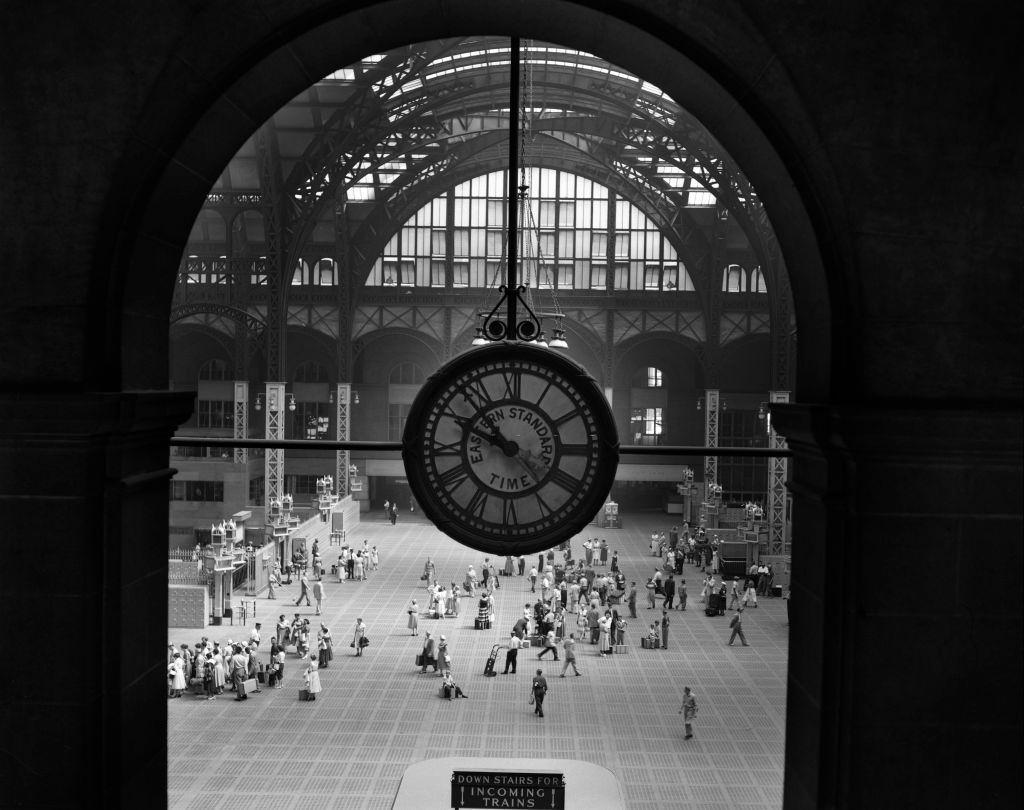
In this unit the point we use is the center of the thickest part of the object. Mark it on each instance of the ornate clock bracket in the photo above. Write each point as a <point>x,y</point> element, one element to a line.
<point>514,325</point>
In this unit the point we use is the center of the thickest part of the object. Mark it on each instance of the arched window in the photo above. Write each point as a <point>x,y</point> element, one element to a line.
<point>215,407</point>
<point>757,282</point>
<point>406,374</point>
<point>301,274</point>
<point>459,239</point>
<point>404,382</point>
<point>324,274</point>
<point>214,370</point>
<point>311,418</point>
<point>734,279</point>
<point>649,377</point>
<point>311,371</point>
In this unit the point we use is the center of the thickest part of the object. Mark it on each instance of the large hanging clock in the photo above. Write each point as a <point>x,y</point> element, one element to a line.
<point>510,448</point>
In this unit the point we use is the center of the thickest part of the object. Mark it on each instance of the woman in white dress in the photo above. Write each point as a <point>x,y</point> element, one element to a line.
<point>313,678</point>
<point>414,612</point>
<point>219,672</point>
<point>359,575</point>
<point>177,670</point>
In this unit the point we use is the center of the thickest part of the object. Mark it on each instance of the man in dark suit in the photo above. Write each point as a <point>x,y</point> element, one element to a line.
<point>670,592</point>
<point>540,688</point>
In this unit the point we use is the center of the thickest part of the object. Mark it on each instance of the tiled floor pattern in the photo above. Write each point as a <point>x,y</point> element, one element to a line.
<point>377,714</point>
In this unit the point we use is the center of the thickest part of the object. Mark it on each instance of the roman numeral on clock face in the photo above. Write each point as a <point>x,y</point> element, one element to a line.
<point>508,512</point>
<point>513,384</point>
<point>442,449</point>
<point>452,479</point>
<point>477,503</point>
<point>562,479</point>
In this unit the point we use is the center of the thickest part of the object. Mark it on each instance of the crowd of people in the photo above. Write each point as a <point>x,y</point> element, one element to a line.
<point>572,602</point>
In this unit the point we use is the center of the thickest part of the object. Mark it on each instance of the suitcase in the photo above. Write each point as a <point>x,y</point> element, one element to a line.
<point>272,679</point>
<point>195,686</point>
<point>482,624</point>
<point>618,649</point>
<point>304,694</point>
<point>248,686</point>
<point>419,660</point>
<point>525,645</point>
<point>261,676</point>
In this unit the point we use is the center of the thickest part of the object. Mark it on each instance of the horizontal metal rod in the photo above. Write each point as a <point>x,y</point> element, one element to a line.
<point>325,444</point>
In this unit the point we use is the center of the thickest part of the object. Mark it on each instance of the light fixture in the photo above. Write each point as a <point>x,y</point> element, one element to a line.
<point>762,411</point>
<point>291,402</point>
<point>355,397</point>
<point>700,404</point>
<point>480,340</point>
<point>558,341</point>
<point>330,396</point>
<point>258,402</point>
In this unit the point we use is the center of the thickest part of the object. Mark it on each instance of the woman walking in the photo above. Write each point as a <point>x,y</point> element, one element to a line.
<point>358,636</point>
<point>413,611</point>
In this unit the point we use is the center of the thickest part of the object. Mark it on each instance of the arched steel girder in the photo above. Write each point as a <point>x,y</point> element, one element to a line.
<point>448,109</point>
<point>363,108</point>
<point>658,197</point>
<point>252,324</point>
<point>658,200</point>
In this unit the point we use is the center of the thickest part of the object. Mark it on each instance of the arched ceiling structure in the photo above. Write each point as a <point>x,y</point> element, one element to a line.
<point>388,133</point>
<point>342,167</point>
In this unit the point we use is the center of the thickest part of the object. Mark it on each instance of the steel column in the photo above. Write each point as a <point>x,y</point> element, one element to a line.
<point>241,420</point>
<point>710,437</point>
<point>778,472</point>
<point>273,465</point>
<point>342,397</point>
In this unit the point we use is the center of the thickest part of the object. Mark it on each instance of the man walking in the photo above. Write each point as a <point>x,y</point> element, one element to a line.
<point>631,600</point>
<point>540,688</point>
<point>549,645</point>
<point>569,648</point>
<point>533,580</point>
<point>304,590</point>
<point>512,654</point>
<point>688,710</point>
<point>318,595</point>
<point>737,628</point>
<point>682,594</point>
<point>670,593</point>
<point>664,629</point>
<point>734,592</point>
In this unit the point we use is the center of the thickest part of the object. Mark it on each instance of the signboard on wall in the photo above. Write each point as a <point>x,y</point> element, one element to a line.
<point>505,789</point>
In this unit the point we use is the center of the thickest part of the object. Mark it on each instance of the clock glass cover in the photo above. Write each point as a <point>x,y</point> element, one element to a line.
<point>510,448</point>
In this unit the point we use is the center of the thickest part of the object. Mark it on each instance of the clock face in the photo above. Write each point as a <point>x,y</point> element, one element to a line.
<point>510,448</point>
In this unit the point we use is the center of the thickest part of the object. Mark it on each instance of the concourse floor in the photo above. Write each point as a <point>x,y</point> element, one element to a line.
<point>377,714</point>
